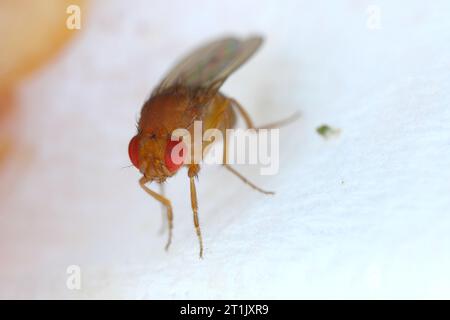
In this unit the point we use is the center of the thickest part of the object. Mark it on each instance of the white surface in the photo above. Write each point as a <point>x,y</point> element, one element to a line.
<point>365,215</point>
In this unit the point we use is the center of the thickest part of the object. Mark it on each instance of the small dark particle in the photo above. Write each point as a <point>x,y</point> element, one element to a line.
<point>327,132</point>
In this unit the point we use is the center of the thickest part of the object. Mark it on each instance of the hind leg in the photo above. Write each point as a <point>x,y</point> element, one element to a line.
<point>225,152</point>
<point>250,124</point>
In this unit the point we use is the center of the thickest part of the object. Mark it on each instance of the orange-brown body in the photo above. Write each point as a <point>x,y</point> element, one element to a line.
<point>189,93</point>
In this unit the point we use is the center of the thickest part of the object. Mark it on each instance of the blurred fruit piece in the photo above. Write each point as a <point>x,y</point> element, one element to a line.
<point>6,118</point>
<point>5,147</point>
<point>31,32</point>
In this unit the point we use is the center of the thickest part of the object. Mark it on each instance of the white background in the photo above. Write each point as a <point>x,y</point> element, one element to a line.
<point>363,215</point>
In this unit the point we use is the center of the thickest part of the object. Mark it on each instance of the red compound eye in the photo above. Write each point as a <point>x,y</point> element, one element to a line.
<point>133,151</point>
<point>175,155</point>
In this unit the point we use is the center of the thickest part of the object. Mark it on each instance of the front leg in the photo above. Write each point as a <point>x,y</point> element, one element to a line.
<point>163,209</point>
<point>192,173</point>
<point>164,201</point>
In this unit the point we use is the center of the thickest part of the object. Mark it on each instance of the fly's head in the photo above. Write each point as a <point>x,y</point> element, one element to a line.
<point>157,157</point>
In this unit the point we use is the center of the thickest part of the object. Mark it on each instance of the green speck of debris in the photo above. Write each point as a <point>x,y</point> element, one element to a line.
<point>326,131</point>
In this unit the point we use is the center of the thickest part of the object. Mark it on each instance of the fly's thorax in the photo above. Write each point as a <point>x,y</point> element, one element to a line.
<point>172,109</point>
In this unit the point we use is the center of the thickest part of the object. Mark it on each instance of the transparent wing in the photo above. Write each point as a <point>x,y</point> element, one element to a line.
<point>211,64</point>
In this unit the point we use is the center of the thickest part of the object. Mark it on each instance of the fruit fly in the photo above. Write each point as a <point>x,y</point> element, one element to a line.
<point>188,93</point>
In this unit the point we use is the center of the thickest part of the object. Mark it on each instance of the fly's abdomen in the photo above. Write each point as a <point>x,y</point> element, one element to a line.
<point>220,114</point>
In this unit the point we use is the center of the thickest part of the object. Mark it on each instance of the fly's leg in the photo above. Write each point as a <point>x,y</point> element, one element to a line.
<point>244,114</point>
<point>192,173</point>
<point>250,124</point>
<point>237,174</point>
<point>163,210</point>
<point>164,201</point>
<point>225,153</point>
<point>246,181</point>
